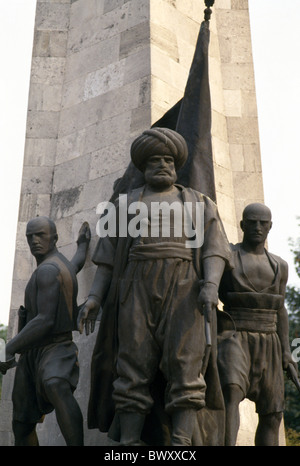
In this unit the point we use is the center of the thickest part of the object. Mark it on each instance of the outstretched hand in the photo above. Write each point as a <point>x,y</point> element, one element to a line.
<point>87,315</point>
<point>84,234</point>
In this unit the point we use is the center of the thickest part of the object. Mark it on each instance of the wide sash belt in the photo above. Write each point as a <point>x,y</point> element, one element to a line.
<point>254,320</point>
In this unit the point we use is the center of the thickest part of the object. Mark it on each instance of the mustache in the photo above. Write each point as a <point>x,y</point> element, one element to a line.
<point>162,170</point>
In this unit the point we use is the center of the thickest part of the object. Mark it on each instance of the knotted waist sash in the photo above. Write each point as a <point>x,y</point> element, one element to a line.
<point>254,312</point>
<point>160,248</point>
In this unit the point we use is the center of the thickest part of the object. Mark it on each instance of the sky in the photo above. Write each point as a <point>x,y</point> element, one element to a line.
<point>276,50</point>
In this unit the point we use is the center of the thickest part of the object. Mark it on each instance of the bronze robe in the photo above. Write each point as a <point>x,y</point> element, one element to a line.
<point>101,412</point>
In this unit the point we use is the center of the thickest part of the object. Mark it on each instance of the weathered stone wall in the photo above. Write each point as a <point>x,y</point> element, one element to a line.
<point>239,100</point>
<point>103,71</point>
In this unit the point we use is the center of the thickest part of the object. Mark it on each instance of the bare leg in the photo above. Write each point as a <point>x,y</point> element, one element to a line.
<point>67,410</point>
<point>25,434</point>
<point>233,395</point>
<point>267,433</point>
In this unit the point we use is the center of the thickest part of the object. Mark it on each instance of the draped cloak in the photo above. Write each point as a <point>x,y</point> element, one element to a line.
<point>101,413</point>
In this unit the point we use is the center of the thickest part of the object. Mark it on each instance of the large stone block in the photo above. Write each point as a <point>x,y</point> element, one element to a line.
<point>138,12</point>
<point>104,80</point>
<point>70,146</point>
<point>52,16</point>
<point>110,159</point>
<point>50,43</point>
<point>238,76</point>
<point>33,205</point>
<point>137,66</point>
<point>47,70</point>
<point>235,24</point>
<point>134,39</point>
<point>248,186</point>
<point>37,181</point>
<point>40,152</point>
<point>66,202</point>
<point>107,132</point>
<point>42,124</point>
<point>92,58</point>
<point>84,10</point>
<point>233,102</point>
<point>71,174</point>
<point>73,92</point>
<point>17,299</point>
<point>44,97</point>
<point>242,131</point>
<point>221,153</point>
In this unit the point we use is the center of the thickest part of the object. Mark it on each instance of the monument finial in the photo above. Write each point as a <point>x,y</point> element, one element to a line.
<point>208,10</point>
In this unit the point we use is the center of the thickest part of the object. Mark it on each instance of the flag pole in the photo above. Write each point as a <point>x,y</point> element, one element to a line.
<point>208,10</point>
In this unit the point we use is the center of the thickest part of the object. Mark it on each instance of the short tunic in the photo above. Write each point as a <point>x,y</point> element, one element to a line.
<point>56,356</point>
<point>252,357</point>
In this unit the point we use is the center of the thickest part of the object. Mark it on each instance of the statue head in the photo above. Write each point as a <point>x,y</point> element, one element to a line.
<point>159,153</point>
<point>256,223</point>
<point>41,237</point>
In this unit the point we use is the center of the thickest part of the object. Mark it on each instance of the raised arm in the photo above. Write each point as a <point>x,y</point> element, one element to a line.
<point>83,241</point>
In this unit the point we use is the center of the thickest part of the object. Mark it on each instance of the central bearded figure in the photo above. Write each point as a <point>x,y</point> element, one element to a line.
<point>156,294</point>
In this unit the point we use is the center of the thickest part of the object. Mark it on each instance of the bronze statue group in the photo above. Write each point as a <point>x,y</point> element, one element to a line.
<point>186,333</point>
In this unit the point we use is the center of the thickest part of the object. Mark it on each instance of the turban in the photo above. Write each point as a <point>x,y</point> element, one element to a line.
<point>159,141</point>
